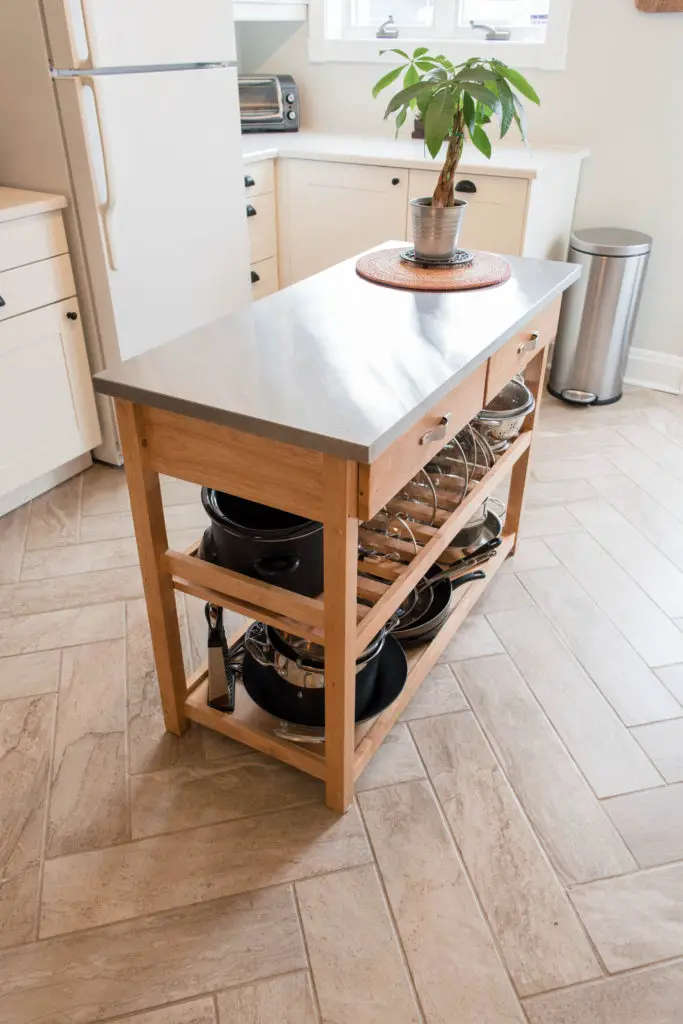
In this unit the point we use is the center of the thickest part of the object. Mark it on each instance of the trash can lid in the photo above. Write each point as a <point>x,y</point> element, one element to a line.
<point>611,242</point>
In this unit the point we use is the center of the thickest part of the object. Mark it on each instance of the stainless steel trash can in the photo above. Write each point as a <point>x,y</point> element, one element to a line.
<point>598,315</point>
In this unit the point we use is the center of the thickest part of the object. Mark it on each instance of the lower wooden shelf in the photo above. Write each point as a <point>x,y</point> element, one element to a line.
<point>256,728</point>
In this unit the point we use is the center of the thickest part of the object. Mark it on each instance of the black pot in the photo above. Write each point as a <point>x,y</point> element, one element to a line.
<point>266,543</point>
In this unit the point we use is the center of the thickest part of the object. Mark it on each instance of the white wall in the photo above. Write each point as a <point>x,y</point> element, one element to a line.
<point>621,94</point>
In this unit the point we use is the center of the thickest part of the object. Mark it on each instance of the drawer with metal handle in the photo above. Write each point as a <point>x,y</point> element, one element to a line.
<point>259,178</point>
<point>35,285</point>
<point>264,278</point>
<point>520,349</point>
<point>262,228</point>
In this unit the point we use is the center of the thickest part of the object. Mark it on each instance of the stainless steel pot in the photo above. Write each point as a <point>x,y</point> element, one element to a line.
<point>503,418</point>
<point>301,665</point>
<point>436,229</point>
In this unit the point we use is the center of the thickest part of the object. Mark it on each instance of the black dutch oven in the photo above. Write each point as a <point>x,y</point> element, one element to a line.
<point>265,543</point>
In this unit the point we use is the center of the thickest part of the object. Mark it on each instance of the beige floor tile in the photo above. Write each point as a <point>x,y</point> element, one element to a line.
<point>357,967</point>
<point>659,484</point>
<point>595,736</point>
<point>88,792</point>
<point>397,760</point>
<point>120,524</point>
<point>662,450</point>
<point>199,1011</point>
<point>13,528</point>
<point>178,798</point>
<point>672,676</point>
<point>25,739</point>
<point>579,467</point>
<point>663,743</point>
<point>576,833</point>
<point>447,943</point>
<point>34,596</point>
<point>625,680</point>
<point>634,920</point>
<point>104,490</point>
<point>25,634</point>
<point>80,558</point>
<point>638,556</point>
<point>505,593</point>
<point>640,620</point>
<point>654,996</point>
<point>541,941</point>
<point>474,639</point>
<point>439,694</point>
<point>545,522</point>
<point>55,516</point>
<point>651,823</point>
<point>647,515</point>
<point>540,494</point>
<point>284,1000</point>
<point>564,444</point>
<point>167,957</point>
<point>150,747</point>
<point>530,553</point>
<point>180,492</point>
<point>218,860</point>
<point>26,675</point>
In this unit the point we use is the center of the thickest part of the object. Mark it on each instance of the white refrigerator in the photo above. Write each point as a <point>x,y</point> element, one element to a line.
<point>131,107</point>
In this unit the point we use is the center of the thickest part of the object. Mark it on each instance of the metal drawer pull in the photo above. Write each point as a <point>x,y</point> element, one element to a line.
<point>466,186</point>
<point>530,344</point>
<point>71,315</point>
<point>438,433</point>
<point>251,211</point>
<point>255,278</point>
<point>248,181</point>
<point>2,301</point>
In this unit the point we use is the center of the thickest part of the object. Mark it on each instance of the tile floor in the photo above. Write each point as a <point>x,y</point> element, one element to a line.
<point>515,852</point>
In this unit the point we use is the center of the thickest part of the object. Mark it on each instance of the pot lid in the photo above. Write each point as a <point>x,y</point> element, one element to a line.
<point>611,242</point>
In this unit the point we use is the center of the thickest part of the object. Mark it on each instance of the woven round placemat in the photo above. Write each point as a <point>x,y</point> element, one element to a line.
<point>387,267</point>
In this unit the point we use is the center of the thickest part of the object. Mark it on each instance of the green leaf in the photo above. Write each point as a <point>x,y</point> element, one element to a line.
<point>519,82</point>
<point>400,120</point>
<point>439,120</point>
<point>520,120</point>
<point>403,97</point>
<point>475,75</point>
<point>411,76</point>
<point>507,107</point>
<point>481,141</point>
<point>482,95</point>
<point>468,110</point>
<point>401,53</point>
<point>420,51</point>
<point>390,77</point>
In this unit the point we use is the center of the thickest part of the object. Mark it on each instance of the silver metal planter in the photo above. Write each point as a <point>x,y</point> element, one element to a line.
<point>436,229</point>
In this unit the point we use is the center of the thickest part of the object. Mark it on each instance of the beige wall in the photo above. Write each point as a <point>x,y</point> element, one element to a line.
<point>621,95</point>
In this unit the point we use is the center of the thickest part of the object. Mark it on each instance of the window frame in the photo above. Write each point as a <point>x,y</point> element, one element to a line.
<point>550,55</point>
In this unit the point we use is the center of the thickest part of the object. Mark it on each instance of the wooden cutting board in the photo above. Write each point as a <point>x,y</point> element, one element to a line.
<point>659,6</point>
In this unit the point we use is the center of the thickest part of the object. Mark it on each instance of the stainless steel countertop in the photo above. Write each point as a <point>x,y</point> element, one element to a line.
<point>335,363</point>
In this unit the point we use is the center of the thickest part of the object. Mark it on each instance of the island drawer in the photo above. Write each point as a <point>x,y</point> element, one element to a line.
<point>259,178</point>
<point>520,349</point>
<point>384,478</point>
<point>262,229</point>
<point>264,279</point>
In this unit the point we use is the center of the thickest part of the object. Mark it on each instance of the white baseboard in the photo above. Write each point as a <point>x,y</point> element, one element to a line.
<point>43,483</point>
<point>657,370</point>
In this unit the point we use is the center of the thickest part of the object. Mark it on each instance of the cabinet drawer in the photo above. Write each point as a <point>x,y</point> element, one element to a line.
<point>496,212</point>
<point>262,230</point>
<point>259,178</point>
<point>516,353</point>
<point>34,285</point>
<point>380,481</point>
<point>267,283</point>
<point>30,239</point>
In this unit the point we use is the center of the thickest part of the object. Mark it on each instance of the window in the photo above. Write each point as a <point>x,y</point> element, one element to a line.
<point>525,33</point>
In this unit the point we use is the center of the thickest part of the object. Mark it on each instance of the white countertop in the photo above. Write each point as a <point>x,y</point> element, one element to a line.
<point>18,202</point>
<point>507,161</point>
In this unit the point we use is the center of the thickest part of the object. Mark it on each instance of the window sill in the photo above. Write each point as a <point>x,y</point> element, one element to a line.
<point>545,56</point>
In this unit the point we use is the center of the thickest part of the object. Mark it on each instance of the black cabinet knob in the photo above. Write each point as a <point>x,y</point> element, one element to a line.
<point>248,181</point>
<point>71,315</point>
<point>251,211</point>
<point>395,181</point>
<point>465,186</point>
<point>255,278</point>
<point>2,301</point>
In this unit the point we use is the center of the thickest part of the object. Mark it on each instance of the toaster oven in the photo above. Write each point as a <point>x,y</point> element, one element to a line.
<point>268,103</point>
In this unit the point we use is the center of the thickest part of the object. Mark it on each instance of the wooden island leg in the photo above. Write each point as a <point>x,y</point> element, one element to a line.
<point>150,534</point>
<point>341,560</point>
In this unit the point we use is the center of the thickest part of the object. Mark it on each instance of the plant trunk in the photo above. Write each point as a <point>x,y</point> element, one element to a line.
<point>444,193</point>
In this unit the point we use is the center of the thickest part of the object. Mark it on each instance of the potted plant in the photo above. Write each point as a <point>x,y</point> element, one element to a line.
<point>454,101</point>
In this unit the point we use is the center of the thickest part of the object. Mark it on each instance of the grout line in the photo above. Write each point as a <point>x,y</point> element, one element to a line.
<point>24,542</point>
<point>304,941</point>
<point>80,510</point>
<point>216,1014</point>
<point>629,972</point>
<point>48,802</point>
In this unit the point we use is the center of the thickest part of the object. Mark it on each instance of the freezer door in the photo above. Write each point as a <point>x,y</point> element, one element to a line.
<point>124,33</point>
<point>158,178</point>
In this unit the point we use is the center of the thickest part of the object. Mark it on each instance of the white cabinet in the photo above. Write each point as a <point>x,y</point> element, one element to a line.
<point>47,404</point>
<point>259,190</point>
<point>496,211</point>
<point>328,212</point>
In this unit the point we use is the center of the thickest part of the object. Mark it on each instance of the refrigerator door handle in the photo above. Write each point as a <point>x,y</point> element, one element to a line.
<point>107,207</point>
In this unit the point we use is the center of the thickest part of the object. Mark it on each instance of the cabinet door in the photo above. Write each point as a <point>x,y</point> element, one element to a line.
<point>496,211</point>
<point>328,212</point>
<point>47,405</point>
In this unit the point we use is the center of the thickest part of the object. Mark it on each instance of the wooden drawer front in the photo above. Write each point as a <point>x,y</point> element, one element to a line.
<point>516,353</point>
<point>262,231</point>
<point>267,278</point>
<point>495,215</point>
<point>262,175</point>
<point>385,477</point>
<point>35,285</point>
<point>31,239</point>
